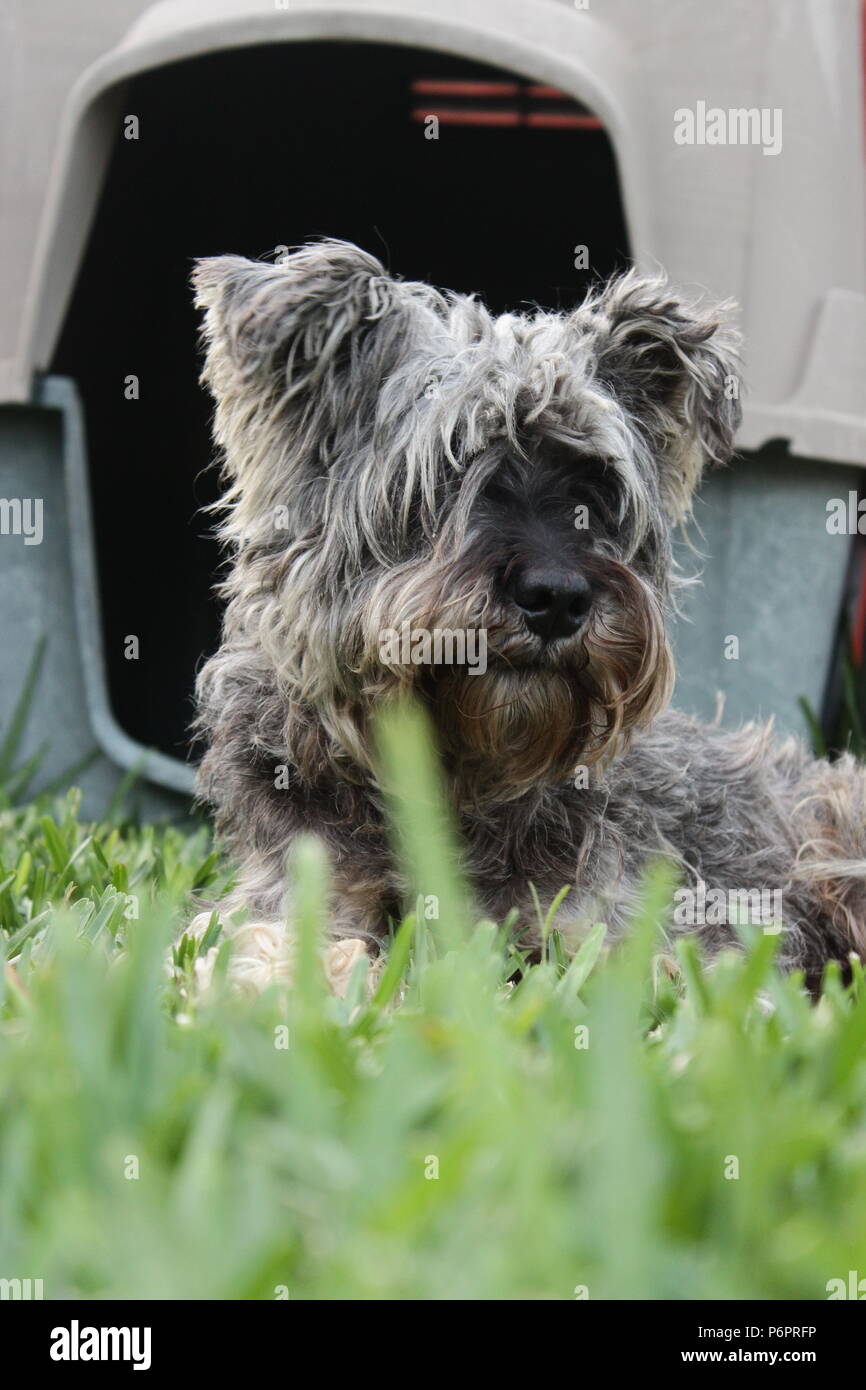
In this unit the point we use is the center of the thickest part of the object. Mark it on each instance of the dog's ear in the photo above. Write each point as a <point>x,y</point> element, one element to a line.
<point>675,368</point>
<point>317,329</point>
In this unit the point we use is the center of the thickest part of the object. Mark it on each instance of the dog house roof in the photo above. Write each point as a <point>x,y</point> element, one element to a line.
<point>776,222</point>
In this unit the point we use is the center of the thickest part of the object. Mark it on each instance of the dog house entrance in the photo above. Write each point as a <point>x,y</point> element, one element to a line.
<point>240,151</point>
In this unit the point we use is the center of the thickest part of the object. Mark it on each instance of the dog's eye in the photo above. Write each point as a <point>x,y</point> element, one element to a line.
<point>595,473</point>
<point>499,490</point>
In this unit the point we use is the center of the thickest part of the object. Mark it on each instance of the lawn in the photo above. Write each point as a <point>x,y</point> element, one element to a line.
<point>613,1127</point>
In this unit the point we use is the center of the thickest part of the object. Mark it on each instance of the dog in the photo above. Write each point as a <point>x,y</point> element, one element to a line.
<point>398,460</point>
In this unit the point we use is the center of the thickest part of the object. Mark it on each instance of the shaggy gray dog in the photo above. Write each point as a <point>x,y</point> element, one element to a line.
<point>399,460</point>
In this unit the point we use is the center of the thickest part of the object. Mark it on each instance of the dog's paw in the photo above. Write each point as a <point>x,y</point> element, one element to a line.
<point>340,959</point>
<point>263,954</point>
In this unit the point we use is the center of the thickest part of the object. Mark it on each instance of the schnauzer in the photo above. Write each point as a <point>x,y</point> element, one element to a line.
<point>399,460</point>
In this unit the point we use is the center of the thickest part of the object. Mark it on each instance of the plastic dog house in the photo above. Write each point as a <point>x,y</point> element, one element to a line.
<point>731,153</point>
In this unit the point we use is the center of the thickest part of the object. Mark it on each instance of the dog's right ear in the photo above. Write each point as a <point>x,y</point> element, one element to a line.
<point>319,323</point>
<point>674,365</point>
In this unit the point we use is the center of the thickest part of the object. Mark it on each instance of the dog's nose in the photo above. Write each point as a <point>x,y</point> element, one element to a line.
<point>554,602</point>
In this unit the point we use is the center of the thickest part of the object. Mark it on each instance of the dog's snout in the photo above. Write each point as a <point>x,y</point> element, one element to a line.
<point>553,602</point>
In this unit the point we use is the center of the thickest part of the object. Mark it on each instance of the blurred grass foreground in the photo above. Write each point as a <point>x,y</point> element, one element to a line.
<point>604,1127</point>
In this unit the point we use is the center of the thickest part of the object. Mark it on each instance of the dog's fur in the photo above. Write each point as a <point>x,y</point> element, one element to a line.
<point>395,454</point>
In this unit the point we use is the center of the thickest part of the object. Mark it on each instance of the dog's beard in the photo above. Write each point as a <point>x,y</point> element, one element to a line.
<point>538,712</point>
<point>536,722</point>
<point>510,729</point>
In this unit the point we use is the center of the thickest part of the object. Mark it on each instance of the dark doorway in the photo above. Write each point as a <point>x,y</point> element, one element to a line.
<point>250,148</point>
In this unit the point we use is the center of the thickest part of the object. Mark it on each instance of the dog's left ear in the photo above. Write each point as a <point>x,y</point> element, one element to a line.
<point>285,325</point>
<point>311,337</point>
<point>675,368</point>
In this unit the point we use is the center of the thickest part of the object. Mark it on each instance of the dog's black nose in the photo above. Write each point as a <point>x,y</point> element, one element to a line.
<point>554,602</point>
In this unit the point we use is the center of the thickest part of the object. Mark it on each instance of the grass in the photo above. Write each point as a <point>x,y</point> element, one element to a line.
<point>606,1128</point>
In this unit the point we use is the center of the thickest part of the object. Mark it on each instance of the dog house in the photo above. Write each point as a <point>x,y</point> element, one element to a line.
<point>510,147</point>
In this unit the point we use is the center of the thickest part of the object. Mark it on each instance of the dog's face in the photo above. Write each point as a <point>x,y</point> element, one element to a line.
<point>402,463</point>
